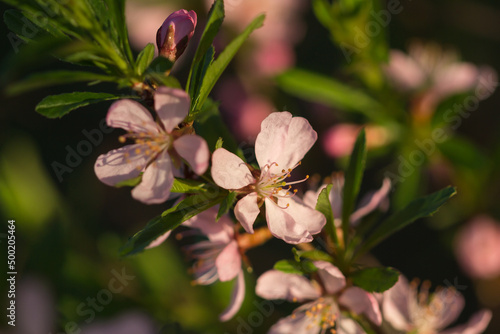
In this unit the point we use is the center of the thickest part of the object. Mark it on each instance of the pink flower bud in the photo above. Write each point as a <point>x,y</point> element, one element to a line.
<point>175,33</point>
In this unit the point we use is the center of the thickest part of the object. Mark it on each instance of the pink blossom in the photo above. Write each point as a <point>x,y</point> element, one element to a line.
<point>279,147</point>
<point>370,202</point>
<point>143,20</point>
<point>158,147</point>
<point>219,257</point>
<point>409,310</point>
<point>435,74</point>
<point>477,248</point>
<point>175,32</point>
<point>323,312</point>
<point>338,141</point>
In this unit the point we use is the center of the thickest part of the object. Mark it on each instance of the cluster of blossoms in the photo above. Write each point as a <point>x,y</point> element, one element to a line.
<point>165,146</point>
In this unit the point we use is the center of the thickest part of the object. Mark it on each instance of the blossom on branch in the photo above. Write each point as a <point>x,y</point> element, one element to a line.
<point>410,310</point>
<point>160,146</point>
<point>327,301</point>
<point>279,147</point>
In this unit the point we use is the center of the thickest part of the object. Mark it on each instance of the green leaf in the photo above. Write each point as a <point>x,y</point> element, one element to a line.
<point>129,183</point>
<point>199,71</point>
<point>59,105</point>
<point>422,207</point>
<point>45,79</point>
<point>319,88</point>
<point>226,204</point>
<point>293,267</point>
<point>170,219</point>
<point>219,65</point>
<point>219,143</point>
<point>462,152</point>
<point>185,186</point>
<point>315,255</point>
<point>144,59</point>
<point>159,65</point>
<point>324,206</point>
<point>214,22</point>
<point>377,279</point>
<point>352,181</point>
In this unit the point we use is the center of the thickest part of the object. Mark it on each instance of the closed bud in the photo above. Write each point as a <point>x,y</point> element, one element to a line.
<point>174,34</point>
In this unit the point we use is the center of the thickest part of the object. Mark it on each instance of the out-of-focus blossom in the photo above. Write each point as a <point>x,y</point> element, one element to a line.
<point>159,147</point>
<point>174,34</point>
<point>131,322</point>
<point>274,42</point>
<point>281,144</point>
<point>433,74</point>
<point>143,20</point>
<point>372,201</point>
<point>339,140</point>
<point>411,310</point>
<point>218,258</point>
<point>477,248</point>
<point>323,312</point>
<point>243,110</point>
<point>271,58</point>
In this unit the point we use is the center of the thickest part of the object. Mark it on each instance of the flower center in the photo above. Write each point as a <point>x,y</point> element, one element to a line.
<point>321,313</point>
<point>273,185</point>
<point>427,310</point>
<point>150,144</point>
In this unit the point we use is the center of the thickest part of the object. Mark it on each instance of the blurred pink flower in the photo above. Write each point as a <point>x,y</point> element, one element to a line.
<point>143,20</point>
<point>157,149</point>
<point>175,32</point>
<point>243,110</point>
<point>283,22</point>
<point>477,248</point>
<point>273,43</point>
<point>217,258</point>
<point>410,310</point>
<point>271,58</point>
<point>323,312</point>
<point>371,201</point>
<point>279,147</point>
<point>435,74</point>
<point>339,140</point>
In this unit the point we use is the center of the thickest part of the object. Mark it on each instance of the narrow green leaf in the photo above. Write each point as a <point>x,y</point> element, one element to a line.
<point>324,206</point>
<point>214,21</point>
<point>144,59</point>
<point>352,182</point>
<point>314,255</point>
<point>422,207</point>
<point>185,186</point>
<point>226,204</point>
<point>59,105</point>
<point>219,65</point>
<point>377,279</point>
<point>219,143</point>
<point>323,89</point>
<point>293,267</point>
<point>45,79</point>
<point>198,73</point>
<point>170,219</point>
